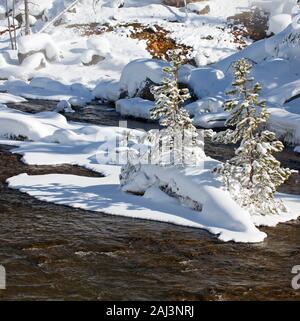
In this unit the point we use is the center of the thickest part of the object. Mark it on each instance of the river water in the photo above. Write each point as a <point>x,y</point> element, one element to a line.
<point>56,252</point>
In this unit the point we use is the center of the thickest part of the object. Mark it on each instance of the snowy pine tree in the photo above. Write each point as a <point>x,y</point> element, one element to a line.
<point>253,175</point>
<point>179,143</point>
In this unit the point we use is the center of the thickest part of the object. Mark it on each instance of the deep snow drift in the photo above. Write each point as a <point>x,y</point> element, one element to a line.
<point>53,140</point>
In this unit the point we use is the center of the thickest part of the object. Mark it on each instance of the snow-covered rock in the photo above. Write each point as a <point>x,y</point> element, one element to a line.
<point>14,124</point>
<point>136,107</point>
<point>202,7</point>
<point>64,106</point>
<point>48,89</point>
<point>35,61</point>
<point>91,57</point>
<point>210,120</point>
<point>108,91</point>
<point>207,82</point>
<point>136,73</point>
<point>208,112</point>
<point>205,105</point>
<point>35,43</point>
<point>285,124</point>
<point>281,12</point>
<point>6,98</point>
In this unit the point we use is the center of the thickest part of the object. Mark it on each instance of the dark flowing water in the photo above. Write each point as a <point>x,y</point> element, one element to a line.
<point>56,252</point>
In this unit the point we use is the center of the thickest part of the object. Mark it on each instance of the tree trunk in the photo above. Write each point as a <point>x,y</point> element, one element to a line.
<point>27,25</point>
<point>14,25</point>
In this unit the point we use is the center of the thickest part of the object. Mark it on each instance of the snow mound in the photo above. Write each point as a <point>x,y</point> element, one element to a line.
<point>39,42</point>
<point>206,81</point>
<point>64,106</point>
<point>139,71</point>
<point>136,107</point>
<point>6,98</point>
<point>31,127</point>
<point>136,73</point>
<point>48,89</point>
<point>107,90</point>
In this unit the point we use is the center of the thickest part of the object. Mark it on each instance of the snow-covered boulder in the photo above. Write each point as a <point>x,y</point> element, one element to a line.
<point>281,12</point>
<point>36,61</point>
<point>205,105</point>
<point>197,190</point>
<point>48,89</point>
<point>200,8</point>
<point>207,82</point>
<point>285,124</point>
<point>108,90</point>
<point>91,57</point>
<point>64,106</point>
<point>210,120</point>
<point>32,20</point>
<point>135,107</point>
<point>208,112</point>
<point>6,98</point>
<point>97,49</point>
<point>136,74</point>
<point>17,124</point>
<point>40,42</point>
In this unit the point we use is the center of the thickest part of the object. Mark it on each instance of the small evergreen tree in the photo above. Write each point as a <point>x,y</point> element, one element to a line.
<point>179,141</point>
<point>253,175</point>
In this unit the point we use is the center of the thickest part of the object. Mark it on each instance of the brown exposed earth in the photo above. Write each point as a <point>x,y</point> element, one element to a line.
<point>157,38</point>
<point>250,24</point>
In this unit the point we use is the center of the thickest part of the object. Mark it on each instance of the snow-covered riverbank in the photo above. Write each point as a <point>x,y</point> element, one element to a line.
<point>56,141</point>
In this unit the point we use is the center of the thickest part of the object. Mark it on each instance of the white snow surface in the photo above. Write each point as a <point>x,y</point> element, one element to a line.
<point>276,65</point>
<point>39,42</point>
<point>45,88</point>
<point>117,47</point>
<point>136,107</point>
<point>53,140</point>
